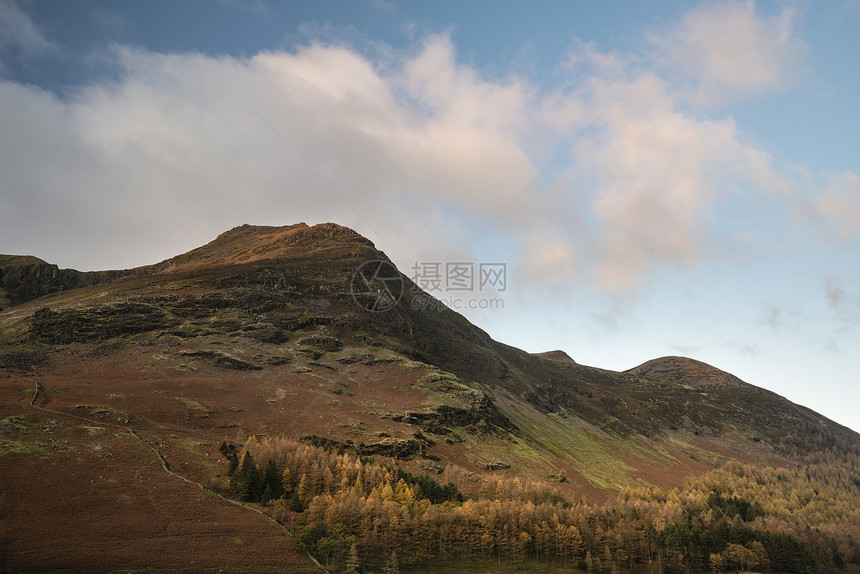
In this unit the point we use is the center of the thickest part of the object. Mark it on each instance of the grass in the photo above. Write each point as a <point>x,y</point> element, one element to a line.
<point>637,450</point>
<point>20,447</point>
<point>191,404</point>
<point>572,440</point>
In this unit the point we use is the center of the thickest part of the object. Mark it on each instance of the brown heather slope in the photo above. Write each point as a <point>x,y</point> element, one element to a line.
<point>258,333</point>
<point>688,372</point>
<point>250,243</point>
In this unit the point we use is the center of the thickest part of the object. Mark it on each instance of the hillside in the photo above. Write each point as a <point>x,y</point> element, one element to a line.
<point>556,356</point>
<point>260,333</point>
<point>689,372</point>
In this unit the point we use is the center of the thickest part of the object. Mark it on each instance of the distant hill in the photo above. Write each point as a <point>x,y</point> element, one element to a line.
<point>688,372</point>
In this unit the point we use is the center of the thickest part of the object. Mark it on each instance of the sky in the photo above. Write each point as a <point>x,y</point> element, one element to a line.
<point>656,178</point>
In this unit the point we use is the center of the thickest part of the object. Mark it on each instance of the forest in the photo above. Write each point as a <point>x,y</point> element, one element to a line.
<point>360,515</point>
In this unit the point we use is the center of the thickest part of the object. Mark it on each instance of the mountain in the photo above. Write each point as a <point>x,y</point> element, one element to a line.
<point>689,372</point>
<point>310,333</point>
<point>556,356</point>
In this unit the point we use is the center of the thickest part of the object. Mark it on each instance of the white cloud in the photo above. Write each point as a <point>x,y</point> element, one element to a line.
<point>425,150</point>
<point>173,150</point>
<point>657,173</point>
<point>729,51</point>
<point>838,206</point>
<point>18,30</point>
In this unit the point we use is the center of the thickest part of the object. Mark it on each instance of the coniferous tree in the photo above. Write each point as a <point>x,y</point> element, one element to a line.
<point>286,483</point>
<point>716,563</point>
<point>353,564</point>
<point>392,567</point>
<point>296,503</point>
<point>791,517</point>
<point>272,480</point>
<point>246,480</point>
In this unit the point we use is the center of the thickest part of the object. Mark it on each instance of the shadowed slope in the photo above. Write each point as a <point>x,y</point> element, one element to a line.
<point>556,356</point>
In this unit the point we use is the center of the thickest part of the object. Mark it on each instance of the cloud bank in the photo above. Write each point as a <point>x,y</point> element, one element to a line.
<point>727,51</point>
<point>419,152</point>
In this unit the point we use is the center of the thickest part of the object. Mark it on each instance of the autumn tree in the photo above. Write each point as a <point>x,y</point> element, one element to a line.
<point>716,563</point>
<point>352,561</point>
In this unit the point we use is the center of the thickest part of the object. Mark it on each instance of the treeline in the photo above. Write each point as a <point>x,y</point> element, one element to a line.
<point>297,472</point>
<point>363,515</point>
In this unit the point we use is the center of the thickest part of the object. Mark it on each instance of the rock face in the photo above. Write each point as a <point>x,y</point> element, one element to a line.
<point>483,418</point>
<point>399,449</point>
<point>688,372</point>
<point>99,323</point>
<point>223,360</point>
<point>24,278</point>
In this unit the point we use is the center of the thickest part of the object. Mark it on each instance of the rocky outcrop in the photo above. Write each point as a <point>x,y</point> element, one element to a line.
<point>99,323</point>
<point>24,278</point>
<point>397,448</point>
<point>483,417</point>
<point>222,360</point>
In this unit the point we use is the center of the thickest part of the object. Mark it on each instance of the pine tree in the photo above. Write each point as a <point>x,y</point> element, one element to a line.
<point>717,563</point>
<point>286,483</point>
<point>246,480</point>
<point>392,567</point>
<point>303,493</point>
<point>358,486</point>
<point>296,503</point>
<point>352,562</point>
<point>521,545</point>
<point>266,496</point>
<point>272,480</point>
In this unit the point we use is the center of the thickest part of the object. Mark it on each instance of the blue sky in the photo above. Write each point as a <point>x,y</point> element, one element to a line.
<point>673,178</point>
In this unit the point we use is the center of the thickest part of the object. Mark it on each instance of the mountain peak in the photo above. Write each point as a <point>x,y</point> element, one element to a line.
<point>250,243</point>
<point>556,355</point>
<point>690,372</point>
